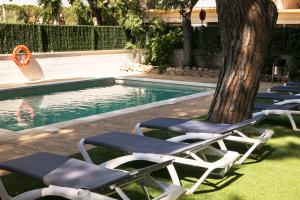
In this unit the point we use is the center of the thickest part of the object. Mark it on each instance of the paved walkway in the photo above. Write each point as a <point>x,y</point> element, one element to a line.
<point>65,141</point>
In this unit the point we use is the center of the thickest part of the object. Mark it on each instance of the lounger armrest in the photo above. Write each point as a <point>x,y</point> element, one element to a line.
<point>149,169</point>
<point>143,172</point>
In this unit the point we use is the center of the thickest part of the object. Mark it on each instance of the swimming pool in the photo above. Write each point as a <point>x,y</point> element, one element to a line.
<point>39,106</point>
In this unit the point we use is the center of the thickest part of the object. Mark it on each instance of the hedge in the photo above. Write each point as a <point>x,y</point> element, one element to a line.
<point>47,38</point>
<point>285,40</point>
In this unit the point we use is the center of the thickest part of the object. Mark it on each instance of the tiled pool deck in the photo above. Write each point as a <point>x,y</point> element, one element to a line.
<point>65,141</point>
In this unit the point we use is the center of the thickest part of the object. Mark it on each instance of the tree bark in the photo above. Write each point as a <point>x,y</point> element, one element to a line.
<point>246,27</point>
<point>187,40</point>
<point>186,9</point>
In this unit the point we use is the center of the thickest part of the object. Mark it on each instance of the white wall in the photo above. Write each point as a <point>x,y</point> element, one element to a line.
<point>47,66</point>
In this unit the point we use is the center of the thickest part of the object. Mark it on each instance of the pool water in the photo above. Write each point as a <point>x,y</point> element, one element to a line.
<point>48,106</point>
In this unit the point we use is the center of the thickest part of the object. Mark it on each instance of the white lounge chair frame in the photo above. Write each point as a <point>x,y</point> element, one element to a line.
<point>191,159</point>
<point>288,113</point>
<point>68,193</point>
<point>170,192</point>
<point>237,136</point>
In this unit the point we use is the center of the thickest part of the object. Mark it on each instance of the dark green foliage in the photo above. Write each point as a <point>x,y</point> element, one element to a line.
<point>285,41</point>
<point>50,9</point>
<point>161,41</point>
<point>81,13</point>
<point>292,37</point>
<point>108,37</point>
<point>46,38</point>
<point>207,39</point>
<point>12,35</point>
<point>294,68</point>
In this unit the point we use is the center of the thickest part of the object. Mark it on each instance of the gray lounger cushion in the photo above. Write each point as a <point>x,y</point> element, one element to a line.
<point>290,106</point>
<point>285,89</point>
<point>135,143</point>
<point>276,96</point>
<point>291,83</point>
<point>52,169</point>
<point>185,125</point>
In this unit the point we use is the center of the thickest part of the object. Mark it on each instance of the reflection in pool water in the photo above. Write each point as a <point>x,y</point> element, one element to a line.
<point>25,114</point>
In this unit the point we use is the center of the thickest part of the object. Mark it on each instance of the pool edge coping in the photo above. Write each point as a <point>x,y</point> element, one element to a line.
<point>56,127</point>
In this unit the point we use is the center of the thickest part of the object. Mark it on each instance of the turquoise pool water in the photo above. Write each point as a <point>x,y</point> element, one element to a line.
<point>43,106</point>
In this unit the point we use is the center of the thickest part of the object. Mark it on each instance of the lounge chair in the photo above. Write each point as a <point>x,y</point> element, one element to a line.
<point>156,150</point>
<point>286,107</point>
<point>286,89</point>
<point>293,83</point>
<point>74,179</point>
<point>277,96</point>
<point>194,129</point>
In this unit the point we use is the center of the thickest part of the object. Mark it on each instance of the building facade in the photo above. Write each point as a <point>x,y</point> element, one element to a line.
<point>289,12</point>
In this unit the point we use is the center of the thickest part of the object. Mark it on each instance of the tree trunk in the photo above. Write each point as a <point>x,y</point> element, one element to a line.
<point>186,13</point>
<point>246,27</point>
<point>187,40</point>
<point>96,13</point>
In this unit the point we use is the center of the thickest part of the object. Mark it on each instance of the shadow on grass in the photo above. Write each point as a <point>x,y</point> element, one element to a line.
<point>213,183</point>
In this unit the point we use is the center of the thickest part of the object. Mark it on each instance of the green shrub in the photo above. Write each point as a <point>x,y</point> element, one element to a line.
<point>161,42</point>
<point>294,68</point>
<point>207,39</point>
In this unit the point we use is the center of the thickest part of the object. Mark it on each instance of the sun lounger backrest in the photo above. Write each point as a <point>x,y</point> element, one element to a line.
<point>297,84</point>
<point>290,106</point>
<point>276,96</point>
<point>285,89</point>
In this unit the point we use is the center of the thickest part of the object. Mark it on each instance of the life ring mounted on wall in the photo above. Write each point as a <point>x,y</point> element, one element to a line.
<point>21,56</point>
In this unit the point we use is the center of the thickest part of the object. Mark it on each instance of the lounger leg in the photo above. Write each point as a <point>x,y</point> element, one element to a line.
<point>198,183</point>
<point>146,192</point>
<point>247,154</point>
<point>173,174</point>
<point>241,138</point>
<point>170,192</point>
<point>292,121</point>
<point>121,193</point>
<point>288,113</point>
<point>83,151</point>
<point>222,145</point>
<point>138,129</point>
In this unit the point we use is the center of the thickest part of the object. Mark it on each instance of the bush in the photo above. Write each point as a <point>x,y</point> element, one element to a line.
<point>47,38</point>
<point>294,68</point>
<point>161,41</point>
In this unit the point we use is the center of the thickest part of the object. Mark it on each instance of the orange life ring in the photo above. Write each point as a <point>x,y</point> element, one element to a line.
<point>22,60</point>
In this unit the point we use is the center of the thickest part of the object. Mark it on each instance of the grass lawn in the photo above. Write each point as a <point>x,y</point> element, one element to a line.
<point>274,176</point>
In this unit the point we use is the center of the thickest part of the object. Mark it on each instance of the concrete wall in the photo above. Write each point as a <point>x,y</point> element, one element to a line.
<point>198,60</point>
<point>47,66</point>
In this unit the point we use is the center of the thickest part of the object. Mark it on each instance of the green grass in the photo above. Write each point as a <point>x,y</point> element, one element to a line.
<point>274,176</point>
